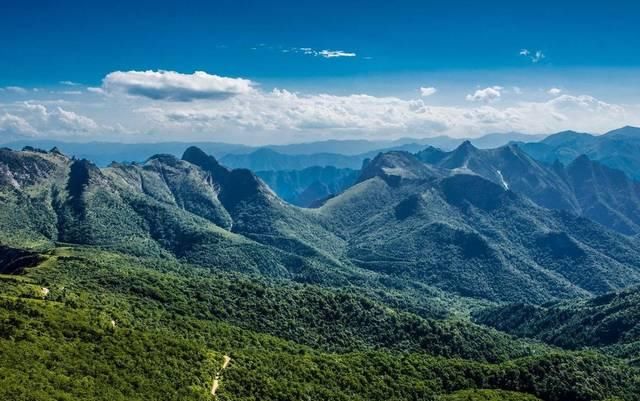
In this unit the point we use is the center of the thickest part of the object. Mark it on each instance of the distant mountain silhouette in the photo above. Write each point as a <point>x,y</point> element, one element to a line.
<point>618,149</point>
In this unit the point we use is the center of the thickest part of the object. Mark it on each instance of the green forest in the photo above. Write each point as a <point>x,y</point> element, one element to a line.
<point>184,280</point>
<point>114,327</point>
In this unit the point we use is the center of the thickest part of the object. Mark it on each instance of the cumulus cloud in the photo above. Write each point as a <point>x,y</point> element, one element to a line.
<point>14,127</point>
<point>71,121</point>
<point>486,95</point>
<point>31,119</point>
<point>289,113</point>
<point>280,115</point>
<point>174,86</point>
<point>69,83</point>
<point>534,56</point>
<point>427,91</point>
<point>295,116</point>
<point>554,91</point>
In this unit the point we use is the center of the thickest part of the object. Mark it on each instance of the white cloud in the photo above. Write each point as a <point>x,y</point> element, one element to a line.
<point>92,89</point>
<point>335,53</point>
<point>36,119</point>
<point>320,53</point>
<point>14,127</point>
<point>68,120</point>
<point>538,56</point>
<point>69,83</point>
<point>14,89</point>
<point>174,86</point>
<point>486,95</point>
<point>279,115</point>
<point>534,56</point>
<point>554,91</point>
<point>290,113</point>
<point>427,91</point>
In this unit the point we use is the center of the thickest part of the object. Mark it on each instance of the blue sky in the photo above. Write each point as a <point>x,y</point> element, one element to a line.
<point>507,53</point>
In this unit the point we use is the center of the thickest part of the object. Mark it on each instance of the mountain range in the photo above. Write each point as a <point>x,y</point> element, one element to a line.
<point>293,170</point>
<point>618,149</point>
<point>432,216</point>
<point>350,153</point>
<point>583,187</point>
<point>155,274</point>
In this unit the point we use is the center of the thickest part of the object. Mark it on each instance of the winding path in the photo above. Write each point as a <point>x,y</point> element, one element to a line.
<point>218,377</point>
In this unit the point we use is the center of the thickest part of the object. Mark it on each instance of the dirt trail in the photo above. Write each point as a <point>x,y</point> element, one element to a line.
<point>218,377</point>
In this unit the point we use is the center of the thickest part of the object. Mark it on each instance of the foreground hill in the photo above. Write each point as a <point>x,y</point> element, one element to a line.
<point>610,321</point>
<point>583,187</point>
<point>116,327</point>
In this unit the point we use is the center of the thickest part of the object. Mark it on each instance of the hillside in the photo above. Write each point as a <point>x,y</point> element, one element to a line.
<point>168,326</point>
<point>304,187</point>
<point>583,187</point>
<point>469,235</point>
<point>610,322</point>
<point>165,206</point>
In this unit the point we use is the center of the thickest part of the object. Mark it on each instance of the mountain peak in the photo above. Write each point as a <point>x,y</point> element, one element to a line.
<point>431,155</point>
<point>396,166</point>
<point>568,138</point>
<point>27,167</point>
<point>459,157</point>
<point>512,152</point>
<point>627,131</point>
<point>56,151</point>
<point>197,156</point>
<point>466,146</point>
<point>167,159</point>
<point>235,185</point>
